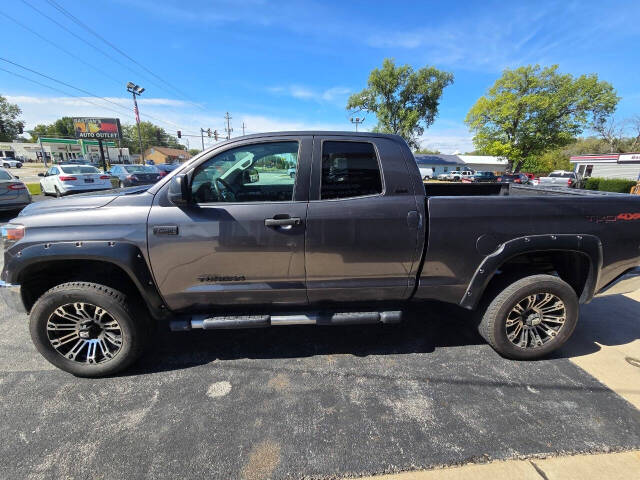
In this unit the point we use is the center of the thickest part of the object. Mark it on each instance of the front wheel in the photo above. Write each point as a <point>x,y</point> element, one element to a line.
<point>531,317</point>
<point>87,329</point>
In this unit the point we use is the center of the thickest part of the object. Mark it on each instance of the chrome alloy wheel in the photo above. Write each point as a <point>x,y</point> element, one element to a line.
<point>535,320</point>
<point>84,333</point>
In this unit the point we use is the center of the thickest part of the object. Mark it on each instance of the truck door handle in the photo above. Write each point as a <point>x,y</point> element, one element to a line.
<point>282,222</point>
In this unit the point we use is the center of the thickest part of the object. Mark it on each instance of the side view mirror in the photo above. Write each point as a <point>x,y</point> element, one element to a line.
<point>179,190</point>
<point>41,174</point>
<point>16,176</point>
<point>250,175</point>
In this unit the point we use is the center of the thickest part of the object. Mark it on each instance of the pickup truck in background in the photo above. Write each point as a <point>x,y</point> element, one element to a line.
<point>560,178</point>
<point>231,240</point>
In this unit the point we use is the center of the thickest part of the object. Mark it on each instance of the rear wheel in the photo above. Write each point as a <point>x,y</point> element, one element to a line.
<point>57,192</point>
<point>87,329</point>
<point>531,317</point>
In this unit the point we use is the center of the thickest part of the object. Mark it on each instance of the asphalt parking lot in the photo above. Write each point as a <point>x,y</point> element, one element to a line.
<point>313,402</point>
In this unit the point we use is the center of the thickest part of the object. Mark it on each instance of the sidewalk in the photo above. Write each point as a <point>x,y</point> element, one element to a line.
<point>610,466</point>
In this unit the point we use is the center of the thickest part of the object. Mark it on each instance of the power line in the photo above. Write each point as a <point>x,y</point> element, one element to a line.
<point>121,52</point>
<point>111,57</point>
<point>73,55</point>
<point>57,90</point>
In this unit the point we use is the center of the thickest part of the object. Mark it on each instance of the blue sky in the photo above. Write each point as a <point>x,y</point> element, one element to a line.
<point>292,65</point>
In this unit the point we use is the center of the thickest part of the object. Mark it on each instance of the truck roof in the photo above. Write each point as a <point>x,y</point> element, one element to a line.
<point>319,132</point>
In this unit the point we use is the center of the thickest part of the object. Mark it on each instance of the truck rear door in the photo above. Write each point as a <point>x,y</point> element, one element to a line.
<point>364,230</point>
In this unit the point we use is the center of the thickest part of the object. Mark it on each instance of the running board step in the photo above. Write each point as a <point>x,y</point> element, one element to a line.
<point>255,321</point>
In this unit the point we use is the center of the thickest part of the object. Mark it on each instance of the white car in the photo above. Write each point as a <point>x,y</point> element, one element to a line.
<point>443,176</point>
<point>11,163</point>
<point>458,175</point>
<point>63,179</point>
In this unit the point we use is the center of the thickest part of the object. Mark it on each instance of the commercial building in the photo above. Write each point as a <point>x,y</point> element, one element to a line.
<point>447,163</point>
<point>59,150</point>
<point>166,155</point>
<point>610,165</point>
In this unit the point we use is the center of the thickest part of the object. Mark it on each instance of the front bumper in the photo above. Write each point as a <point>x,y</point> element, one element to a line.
<point>628,282</point>
<point>11,296</point>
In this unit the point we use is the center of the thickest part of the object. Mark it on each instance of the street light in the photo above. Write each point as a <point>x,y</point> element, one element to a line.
<point>136,90</point>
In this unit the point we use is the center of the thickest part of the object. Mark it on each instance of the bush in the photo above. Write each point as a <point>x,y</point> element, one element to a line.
<point>618,185</point>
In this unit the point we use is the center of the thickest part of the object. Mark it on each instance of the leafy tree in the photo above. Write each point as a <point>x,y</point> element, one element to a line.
<point>405,101</point>
<point>10,126</point>
<point>194,151</point>
<point>63,127</point>
<point>152,135</point>
<point>426,151</point>
<point>531,109</point>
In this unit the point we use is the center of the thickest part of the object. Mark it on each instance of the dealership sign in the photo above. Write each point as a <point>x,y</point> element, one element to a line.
<point>98,128</point>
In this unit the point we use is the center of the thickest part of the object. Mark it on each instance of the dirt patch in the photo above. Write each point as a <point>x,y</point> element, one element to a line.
<point>263,460</point>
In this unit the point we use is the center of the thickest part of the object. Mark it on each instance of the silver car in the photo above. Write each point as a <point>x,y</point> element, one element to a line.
<point>14,194</point>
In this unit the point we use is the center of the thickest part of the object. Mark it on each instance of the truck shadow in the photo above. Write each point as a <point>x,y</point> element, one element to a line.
<point>606,321</point>
<point>422,330</point>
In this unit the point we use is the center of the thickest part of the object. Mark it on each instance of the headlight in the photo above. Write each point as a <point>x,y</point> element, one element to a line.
<point>12,233</point>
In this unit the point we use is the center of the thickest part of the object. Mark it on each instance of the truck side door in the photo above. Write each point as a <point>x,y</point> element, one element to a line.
<point>362,238</point>
<point>241,240</point>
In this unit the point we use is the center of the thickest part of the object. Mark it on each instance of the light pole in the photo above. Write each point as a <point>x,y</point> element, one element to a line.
<point>136,90</point>
<point>357,121</point>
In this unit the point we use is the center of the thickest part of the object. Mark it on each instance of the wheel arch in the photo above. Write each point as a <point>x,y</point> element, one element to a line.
<point>576,259</point>
<point>36,268</point>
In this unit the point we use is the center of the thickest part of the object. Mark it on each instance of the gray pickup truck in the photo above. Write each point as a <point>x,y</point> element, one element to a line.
<point>232,240</point>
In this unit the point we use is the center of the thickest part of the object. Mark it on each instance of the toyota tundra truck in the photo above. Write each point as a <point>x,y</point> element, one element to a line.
<point>231,239</point>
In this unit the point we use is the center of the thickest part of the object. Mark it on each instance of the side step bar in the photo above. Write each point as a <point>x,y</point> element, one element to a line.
<point>206,322</point>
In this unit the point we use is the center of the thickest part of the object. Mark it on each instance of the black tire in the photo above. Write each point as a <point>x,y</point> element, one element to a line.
<point>57,192</point>
<point>131,319</point>
<point>493,323</point>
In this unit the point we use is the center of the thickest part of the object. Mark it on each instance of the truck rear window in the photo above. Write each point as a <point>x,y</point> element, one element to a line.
<point>349,169</point>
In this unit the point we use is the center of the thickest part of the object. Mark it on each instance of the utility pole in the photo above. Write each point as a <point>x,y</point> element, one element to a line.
<point>202,130</point>
<point>243,128</point>
<point>229,129</point>
<point>357,121</point>
<point>136,90</point>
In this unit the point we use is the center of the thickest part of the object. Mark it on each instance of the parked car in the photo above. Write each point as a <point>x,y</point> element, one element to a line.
<point>519,178</point>
<point>11,163</point>
<point>561,178</point>
<point>14,194</point>
<point>479,177</point>
<point>131,175</point>
<point>64,179</point>
<point>166,168</point>
<point>291,172</point>
<point>443,176</point>
<point>357,245</point>
<point>458,175</point>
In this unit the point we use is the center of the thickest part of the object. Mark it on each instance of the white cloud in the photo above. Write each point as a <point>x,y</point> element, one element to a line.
<point>335,95</point>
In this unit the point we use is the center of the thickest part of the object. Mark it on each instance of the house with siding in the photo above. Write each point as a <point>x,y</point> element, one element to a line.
<point>610,165</point>
<point>166,155</point>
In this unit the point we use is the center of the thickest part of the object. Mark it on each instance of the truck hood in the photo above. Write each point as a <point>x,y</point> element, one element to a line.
<point>83,201</point>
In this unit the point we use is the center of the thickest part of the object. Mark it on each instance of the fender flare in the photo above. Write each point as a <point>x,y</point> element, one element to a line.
<point>125,256</point>
<point>588,245</point>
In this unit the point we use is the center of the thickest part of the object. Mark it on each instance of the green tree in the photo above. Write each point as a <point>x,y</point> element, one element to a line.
<point>427,151</point>
<point>10,126</point>
<point>531,109</point>
<point>404,101</point>
<point>63,127</point>
<point>152,135</point>
<point>194,151</point>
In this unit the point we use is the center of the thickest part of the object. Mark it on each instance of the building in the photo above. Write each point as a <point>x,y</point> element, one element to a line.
<point>447,163</point>
<point>610,165</point>
<point>166,155</point>
<point>439,163</point>
<point>59,150</point>
<point>485,163</point>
